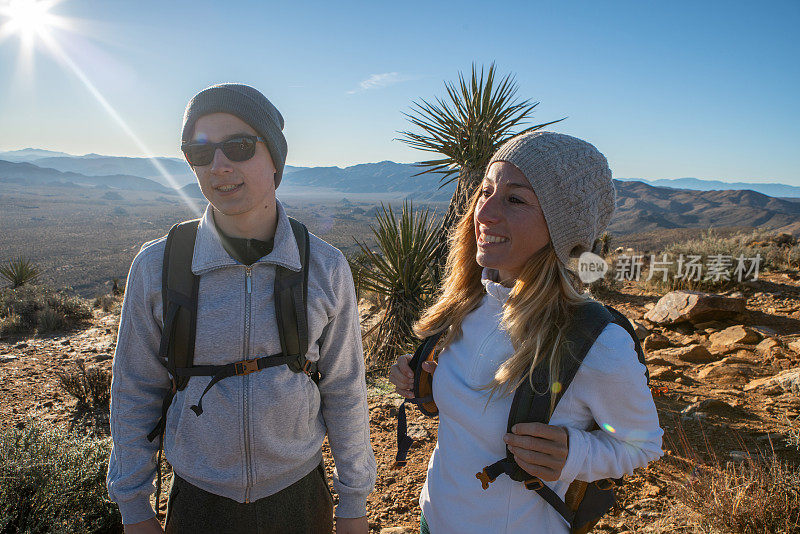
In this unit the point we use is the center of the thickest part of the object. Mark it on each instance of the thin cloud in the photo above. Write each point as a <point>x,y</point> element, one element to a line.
<point>378,81</point>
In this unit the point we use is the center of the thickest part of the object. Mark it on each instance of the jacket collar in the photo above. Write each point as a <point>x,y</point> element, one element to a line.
<point>209,253</point>
<point>495,289</point>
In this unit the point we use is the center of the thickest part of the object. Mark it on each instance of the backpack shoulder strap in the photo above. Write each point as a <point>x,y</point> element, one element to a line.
<point>179,287</point>
<point>291,292</point>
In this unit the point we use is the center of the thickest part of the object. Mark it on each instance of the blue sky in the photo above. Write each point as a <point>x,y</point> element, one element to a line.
<point>667,90</point>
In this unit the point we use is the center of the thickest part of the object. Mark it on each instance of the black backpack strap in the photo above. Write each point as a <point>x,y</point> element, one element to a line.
<point>291,292</point>
<point>179,308</point>
<point>404,441</point>
<point>533,405</point>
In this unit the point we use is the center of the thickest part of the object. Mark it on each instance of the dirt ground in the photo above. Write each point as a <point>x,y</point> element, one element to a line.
<point>750,418</point>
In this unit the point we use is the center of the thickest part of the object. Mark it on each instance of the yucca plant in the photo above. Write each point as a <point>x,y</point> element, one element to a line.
<point>401,271</point>
<point>19,272</point>
<point>466,128</point>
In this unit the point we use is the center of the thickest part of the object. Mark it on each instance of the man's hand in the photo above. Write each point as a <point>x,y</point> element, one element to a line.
<point>540,449</point>
<point>151,526</point>
<point>352,525</point>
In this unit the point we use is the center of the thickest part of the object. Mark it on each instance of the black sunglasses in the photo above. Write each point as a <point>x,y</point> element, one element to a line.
<point>239,148</point>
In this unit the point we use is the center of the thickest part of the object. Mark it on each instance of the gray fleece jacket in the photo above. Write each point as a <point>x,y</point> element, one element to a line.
<point>259,433</point>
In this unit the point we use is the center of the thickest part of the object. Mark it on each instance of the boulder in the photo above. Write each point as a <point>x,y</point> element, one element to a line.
<point>734,334</point>
<point>655,342</point>
<point>794,345</point>
<point>695,307</point>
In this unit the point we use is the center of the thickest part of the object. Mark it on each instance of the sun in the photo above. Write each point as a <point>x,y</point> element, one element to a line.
<point>28,18</point>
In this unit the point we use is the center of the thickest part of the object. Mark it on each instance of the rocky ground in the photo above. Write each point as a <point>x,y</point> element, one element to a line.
<point>726,384</point>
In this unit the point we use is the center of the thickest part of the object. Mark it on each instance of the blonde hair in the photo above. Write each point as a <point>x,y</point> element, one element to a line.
<point>535,316</point>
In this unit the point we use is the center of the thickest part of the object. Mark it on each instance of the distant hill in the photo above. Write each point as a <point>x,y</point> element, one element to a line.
<point>30,154</point>
<point>95,165</point>
<point>771,189</point>
<point>642,207</point>
<point>30,174</point>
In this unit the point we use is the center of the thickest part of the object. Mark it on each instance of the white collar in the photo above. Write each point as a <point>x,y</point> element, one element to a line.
<point>489,279</point>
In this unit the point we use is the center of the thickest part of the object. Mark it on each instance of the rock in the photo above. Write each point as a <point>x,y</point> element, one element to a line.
<point>765,330</point>
<point>710,325</point>
<point>789,380</point>
<point>767,346</point>
<point>725,372</point>
<point>7,358</point>
<point>694,307</point>
<point>734,334</point>
<point>640,329</point>
<point>704,406</point>
<point>21,345</point>
<point>794,345</point>
<point>660,372</point>
<point>655,342</point>
<point>399,530</point>
<point>692,353</point>
<point>417,432</point>
<point>739,456</point>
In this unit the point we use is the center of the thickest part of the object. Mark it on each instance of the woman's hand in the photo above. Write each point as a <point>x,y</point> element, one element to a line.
<point>540,449</point>
<point>151,526</point>
<point>402,376</point>
<point>352,525</point>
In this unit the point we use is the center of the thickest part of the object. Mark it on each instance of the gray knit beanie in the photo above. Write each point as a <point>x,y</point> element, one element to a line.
<point>572,180</point>
<point>248,104</point>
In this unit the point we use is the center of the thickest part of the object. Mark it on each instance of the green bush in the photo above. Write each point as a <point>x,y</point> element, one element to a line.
<point>28,308</point>
<point>401,271</point>
<point>19,272</point>
<point>54,482</point>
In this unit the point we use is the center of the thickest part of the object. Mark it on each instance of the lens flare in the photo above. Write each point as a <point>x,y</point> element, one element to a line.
<point>608,428</point>
<point>31,19</point>
<point>556,387</point>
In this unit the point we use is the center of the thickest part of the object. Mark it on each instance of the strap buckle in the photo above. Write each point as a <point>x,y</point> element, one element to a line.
<point>534,484</point>
<point>605,484</point>
<point>245,367</point>
<point>485,479</point>
<point>307,367</point>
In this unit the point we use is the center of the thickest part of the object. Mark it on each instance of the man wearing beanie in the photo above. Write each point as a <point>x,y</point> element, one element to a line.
<point>243,433</point>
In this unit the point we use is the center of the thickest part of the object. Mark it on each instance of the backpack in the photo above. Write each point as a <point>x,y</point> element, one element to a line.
<point>585,502</point>
<point>179,291</point>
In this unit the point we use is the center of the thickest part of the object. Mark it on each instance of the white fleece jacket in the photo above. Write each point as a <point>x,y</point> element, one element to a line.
<point>609,387</point>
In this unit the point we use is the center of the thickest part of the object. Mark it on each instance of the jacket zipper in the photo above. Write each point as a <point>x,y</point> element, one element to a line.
<point>245,356</point>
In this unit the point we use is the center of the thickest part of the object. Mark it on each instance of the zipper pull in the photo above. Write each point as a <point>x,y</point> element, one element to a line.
<point>247,279</point>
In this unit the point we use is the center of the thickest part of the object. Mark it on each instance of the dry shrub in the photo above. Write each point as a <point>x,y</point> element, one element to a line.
<point>757,495</point>
<point>54,481</point>
<point>108,303</point>
<point>42,309</point>
<point>91,387</point>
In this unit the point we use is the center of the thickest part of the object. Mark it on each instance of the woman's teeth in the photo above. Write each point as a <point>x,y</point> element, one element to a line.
<point>494,239</point>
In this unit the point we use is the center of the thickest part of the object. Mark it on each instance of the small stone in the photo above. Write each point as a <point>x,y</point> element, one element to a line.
<point>7,358</point>
<point>655,341</point>
<point>705,405</point>
<point>794,345</point>
<point>21,345</point>
<point>417,432</point>
<point>734,334</point>
<point>767,345</point>
<point>739,456</point>
<point>694,353</point>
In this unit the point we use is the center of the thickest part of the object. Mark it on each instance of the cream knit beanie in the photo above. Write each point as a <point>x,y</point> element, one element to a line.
<point>572,181</point>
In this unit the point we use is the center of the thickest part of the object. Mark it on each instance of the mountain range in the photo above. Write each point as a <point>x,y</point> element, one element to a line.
<point>641,205</point>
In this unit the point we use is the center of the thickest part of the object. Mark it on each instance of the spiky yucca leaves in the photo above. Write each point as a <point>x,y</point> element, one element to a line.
<point>466,128</point>
<point>400,271</point>
<point>19,272</point>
